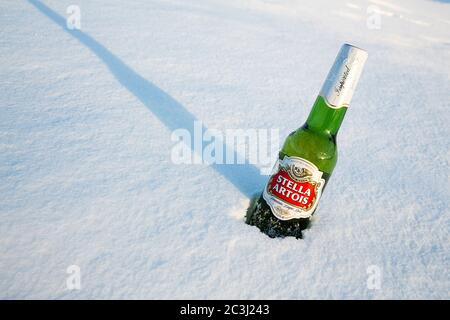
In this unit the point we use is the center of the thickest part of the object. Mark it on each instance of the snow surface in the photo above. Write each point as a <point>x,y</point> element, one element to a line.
<point>86,176</point>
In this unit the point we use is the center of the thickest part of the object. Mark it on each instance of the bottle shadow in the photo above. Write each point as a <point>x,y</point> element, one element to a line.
<point>245,177</point>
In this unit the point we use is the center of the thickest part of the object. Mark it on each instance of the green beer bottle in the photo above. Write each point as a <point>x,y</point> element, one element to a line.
<point>309,154</point>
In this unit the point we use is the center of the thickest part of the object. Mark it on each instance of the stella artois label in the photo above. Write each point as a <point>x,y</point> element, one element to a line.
<point>294,188</point>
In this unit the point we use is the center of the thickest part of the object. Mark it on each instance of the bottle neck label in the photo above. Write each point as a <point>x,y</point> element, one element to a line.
<point>343,77</point>
<point>294,189</point>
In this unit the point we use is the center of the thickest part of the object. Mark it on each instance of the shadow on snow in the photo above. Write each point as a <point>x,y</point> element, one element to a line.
<point>171,113</point>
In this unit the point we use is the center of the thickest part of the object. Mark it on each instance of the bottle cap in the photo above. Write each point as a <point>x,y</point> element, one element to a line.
<point>343,77</point>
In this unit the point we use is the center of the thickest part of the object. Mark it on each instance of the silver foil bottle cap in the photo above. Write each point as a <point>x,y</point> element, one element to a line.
<point>343,77</point>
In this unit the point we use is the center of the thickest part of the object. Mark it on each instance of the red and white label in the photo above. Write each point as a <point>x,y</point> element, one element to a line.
<point>294,188</point>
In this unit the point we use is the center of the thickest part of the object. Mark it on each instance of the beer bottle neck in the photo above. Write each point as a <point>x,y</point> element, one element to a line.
<point>324,119</point>
<point>331,105</point>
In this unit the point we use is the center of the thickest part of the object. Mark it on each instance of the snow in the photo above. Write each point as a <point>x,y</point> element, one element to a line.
<point>86,176</point>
